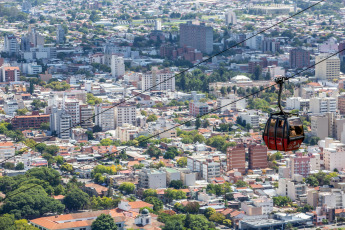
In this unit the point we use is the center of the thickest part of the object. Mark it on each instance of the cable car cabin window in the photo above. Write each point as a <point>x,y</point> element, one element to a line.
<point>271,131</point>
<point>296,128</point>
<point>280,128</point>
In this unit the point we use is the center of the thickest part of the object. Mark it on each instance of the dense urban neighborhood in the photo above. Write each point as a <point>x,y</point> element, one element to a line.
<point>122,115</point>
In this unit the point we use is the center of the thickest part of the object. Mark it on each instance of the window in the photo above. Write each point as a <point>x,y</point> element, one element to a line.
<point>280,128</point>
<point>272,127</point>
<point>296,128</point>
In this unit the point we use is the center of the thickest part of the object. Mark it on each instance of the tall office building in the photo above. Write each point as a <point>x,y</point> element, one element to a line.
<point>230,17</point>
<point>257,157</point>
<point>328,69</point>
<point>158,80</point>
<point>236,158</point>
<point>60,34</point>
<point>197,36</point>
<point>61,123</point>
<point>11,45</point>
<point>117,66</point>
<point>299,58</point>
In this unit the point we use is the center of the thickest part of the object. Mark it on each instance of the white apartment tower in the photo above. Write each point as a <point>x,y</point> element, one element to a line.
<point>105,117</point>
<point>125,114</point>
<point>230,17</point>
<point>334,158</point>
<point>327,70</point>
<point>72,109</point>
<point>11,45</point>
<point>323,104</point>
<point>158,80</point>
<point>117,66</point>
<point>61,123</point>
<point>150,178</point>
<point>158,24</point>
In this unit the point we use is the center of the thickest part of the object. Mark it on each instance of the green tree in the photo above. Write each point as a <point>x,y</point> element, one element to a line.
<point>9,165</point>
<point>106,142</point>
<point>151,117</point>
<point>199,222</point>
<point>59,160</point>
<point>182,162</point>
<point>23,225</point>
<point>176,184</point>
<point>241,183</point>
<point>223,91</point>
<point>27,200</point>
<point>157,203</point>
<point>20,166</point>
<point>7,222</point>
<point>209,212</point>
<point>153,151</point>
<point>127,187</point>
<point>52,149</point>
<point>76,199</point>
<point>104,222</point>
<point>41,147</point>
<point>217,217</point>
<point>192,207</point>
<point>22,112</point>
<point>281,201</point>
<point>66,167</point>
<point>149,192</point>
<point>45,126</point>
<point>197,123</point>
<point>46,174</point>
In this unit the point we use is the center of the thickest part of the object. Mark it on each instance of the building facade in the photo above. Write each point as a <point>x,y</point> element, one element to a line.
<point>197,36</point>
<point>328,69</point>
<point>299,58</point>
<point>236,158</point>
<point>257,157</point>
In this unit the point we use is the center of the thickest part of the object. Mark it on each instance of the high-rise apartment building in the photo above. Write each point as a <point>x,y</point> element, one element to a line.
<point>323,104</point>
<point>270,45</point>
<point>198,108</point>
<point>150,178</point>
<point>61,123</point>
<point>197,36</point>
<point>11,45</point>
<point>341,104</point>
<point>10,107</point>
<point>105,117</point>
<point>86,113</point>
<point>9,73</point>
<point>72,108</point>
<point>299,58</point>
<point>257,157</point>
<point>299,164</point>
<point>158,80</point>
<point>117,66</point>
<point>60,34</point>
<point>334,158</point>
<point>125,114</point>
<point>230,17</point>
<point>236,158</point>
<point>328,69</point>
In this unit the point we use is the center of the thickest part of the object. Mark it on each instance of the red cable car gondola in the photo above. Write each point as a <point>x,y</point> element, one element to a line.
<point>283,131</point>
